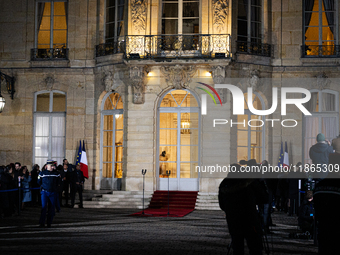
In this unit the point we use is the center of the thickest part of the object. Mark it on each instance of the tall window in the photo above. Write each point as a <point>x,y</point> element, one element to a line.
<point>49,127</point>
<point>178,149</point>
<point>249,21</point>
<point>114,24</point>
<point>51,24</point>
<point>324,106</point>
<point>180,17</point>
<point>250,138</point>
<point>320,26</point>
<point>112,140</point>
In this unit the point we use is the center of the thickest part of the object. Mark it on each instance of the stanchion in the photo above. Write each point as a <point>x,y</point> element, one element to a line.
<point>143,173</point>
<point>168,172</point>
<point>19,190</point>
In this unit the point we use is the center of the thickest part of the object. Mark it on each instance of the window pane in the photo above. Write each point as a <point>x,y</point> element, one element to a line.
<point>119,153</point>
<point>118,170</point>
<point>170,10</point>
<point>110,30</point>
<point>242,153</point>
<point>108,122</point>
<point>189,153</point>
<point>190,138</point>
<point>59,102</point>
<point>43,102</point>
<point>312,104</point>
<point>188,170</point>
<point>110,3</point>
<point>120,13</point>
<point>242,138</point>
<point>328,102</point>
<point>119,137</point>
<point>166,166</point>
<point>107,170</point>
<point>58,126</point>
<point>41,146</point>
<point>58,147</point>
<point>168,153</point>
<point>170,27</point>
<point>191,26</point>
<point>59,22</point>
<point>256,138</point>
<point>243,120</point>
<point>40,161</point>
<point>107,138</point>
<point>168,136</point>
<point>59,38</point>
<point>256,153</point>
<point>167,120</point>
<point>110,14</point>
<point>107,154</point>
<point>42,125</point>
<point>119,121</point>
<point>190,9</point>
<point>59,8</point>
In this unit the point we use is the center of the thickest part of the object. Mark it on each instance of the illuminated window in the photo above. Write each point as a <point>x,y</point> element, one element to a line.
<point>114,20</point>
<point>250,138</point>
<point>49,127</point>
<point>51,24</point>
<point>180,17</point>
<point>320,27</point>
<point>112,140</point>
<point>325,118</point>
<point>249,21</point>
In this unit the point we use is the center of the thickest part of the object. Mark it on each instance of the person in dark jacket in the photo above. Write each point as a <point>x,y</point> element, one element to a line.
<point>34,184</point>
<point>77,184</point>
<point>48,180</point>
<point>306,214</point>
<point>238,199</point>
<point>67,169</point>
<point>319,154</point>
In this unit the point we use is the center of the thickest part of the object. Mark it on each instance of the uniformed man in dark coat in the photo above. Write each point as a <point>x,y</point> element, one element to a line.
<point>48,180</point>
<point>77,184</point>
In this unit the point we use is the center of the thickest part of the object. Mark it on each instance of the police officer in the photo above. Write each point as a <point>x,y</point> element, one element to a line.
<point>48,180</point>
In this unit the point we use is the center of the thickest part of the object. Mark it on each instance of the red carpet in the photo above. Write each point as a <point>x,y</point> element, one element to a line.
<point>180,204</point>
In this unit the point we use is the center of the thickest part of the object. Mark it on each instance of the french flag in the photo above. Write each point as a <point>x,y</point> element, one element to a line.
<point>286,157</point>
<point>83,162</point>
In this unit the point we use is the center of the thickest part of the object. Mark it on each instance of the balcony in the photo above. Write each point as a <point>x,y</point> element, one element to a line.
<point>49,54</point>
<point>320,51</point>
<point>167,47</point>
<point>255,48</point>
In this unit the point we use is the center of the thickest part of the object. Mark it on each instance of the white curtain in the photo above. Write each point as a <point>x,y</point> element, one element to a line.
<point>328,102</point>
<point>58,137</point>
<point>329,127</point>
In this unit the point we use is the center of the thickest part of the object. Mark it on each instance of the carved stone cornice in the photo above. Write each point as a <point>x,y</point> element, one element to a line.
<point>322,81</point>
<point>220,12</point>
<point>178,76</point>
<point>138,14</point>
<point>111,81</point>
<point>137,79</point>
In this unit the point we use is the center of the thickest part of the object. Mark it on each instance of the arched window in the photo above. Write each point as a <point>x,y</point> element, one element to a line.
<point>250,137</point>
<point>49,126</point>
<point>178,140</point>
<point>324,107</point>
<point>112,124</point>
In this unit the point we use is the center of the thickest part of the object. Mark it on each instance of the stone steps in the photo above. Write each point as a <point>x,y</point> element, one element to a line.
<point>207,201</point>
<point>120,199</point>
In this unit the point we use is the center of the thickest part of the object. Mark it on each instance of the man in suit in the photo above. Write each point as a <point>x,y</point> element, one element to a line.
<point>77,184</point>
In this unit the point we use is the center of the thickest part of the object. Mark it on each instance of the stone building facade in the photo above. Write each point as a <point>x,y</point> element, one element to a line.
<point>126,77</point>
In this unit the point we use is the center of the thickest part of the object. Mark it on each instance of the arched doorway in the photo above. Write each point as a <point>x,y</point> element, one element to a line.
<point>178,139</point>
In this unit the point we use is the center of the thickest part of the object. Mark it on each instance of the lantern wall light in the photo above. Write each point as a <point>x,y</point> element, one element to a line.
<point>9,81</point>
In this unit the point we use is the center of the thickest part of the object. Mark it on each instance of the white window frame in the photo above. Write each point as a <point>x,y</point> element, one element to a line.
<point>51,22</point>
<point>49,114</point>
<point>115,36</point>
<point>320,114</point>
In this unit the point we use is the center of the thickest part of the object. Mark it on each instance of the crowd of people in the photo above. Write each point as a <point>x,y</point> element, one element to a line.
<point>21,188</point>
<point>249,202</point>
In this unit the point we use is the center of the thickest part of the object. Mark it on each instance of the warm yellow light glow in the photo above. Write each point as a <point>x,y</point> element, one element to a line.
<point>151,74</point>
<point>208,74</point>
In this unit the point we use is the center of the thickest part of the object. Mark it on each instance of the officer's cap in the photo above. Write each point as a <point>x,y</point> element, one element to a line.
<point>49,162</point>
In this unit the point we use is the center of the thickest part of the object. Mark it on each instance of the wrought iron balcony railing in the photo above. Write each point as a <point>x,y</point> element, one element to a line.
<point>111,48</point>
<point>49,54</point>
<point>255,48</point>
<point>169,46</point>
<point>320,51</point>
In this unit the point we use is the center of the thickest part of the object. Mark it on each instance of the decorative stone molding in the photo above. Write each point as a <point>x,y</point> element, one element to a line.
<point>220,12</point>
<point>49,82</point>
<point>137,78</point>
<point>178,76</point>
<point>111,81</point>
<point>322,81</point>
<point>218,75</point>
<point>138,14</point>
<point>254,80</point>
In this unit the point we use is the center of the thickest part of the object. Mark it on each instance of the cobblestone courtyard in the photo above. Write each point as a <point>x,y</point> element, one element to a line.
<point>112,231</point>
